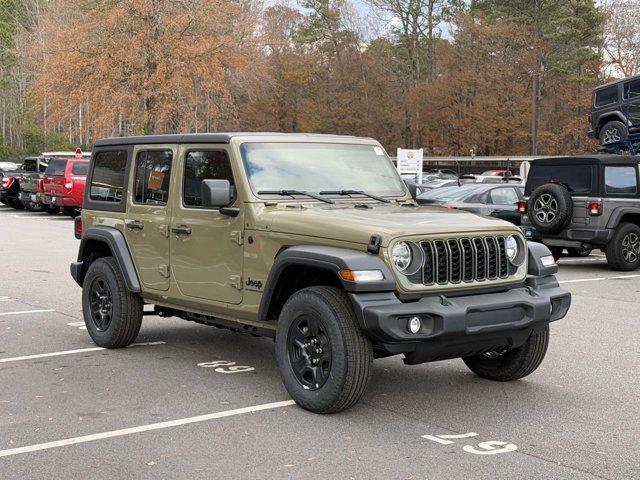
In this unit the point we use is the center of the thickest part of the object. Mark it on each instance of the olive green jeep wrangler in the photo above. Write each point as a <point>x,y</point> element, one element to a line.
<point>313,240</point>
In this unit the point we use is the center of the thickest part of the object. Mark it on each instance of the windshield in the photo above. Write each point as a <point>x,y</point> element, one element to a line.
<point>450,193</point>
<point>56,167</point>
<point>318,167</point>
<point>578,178</point>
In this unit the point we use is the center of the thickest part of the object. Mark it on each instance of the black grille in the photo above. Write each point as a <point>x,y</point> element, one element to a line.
<point>463,260</point>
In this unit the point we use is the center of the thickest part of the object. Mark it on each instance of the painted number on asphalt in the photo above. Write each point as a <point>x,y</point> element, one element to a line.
<point>222,366</point>
<point>80,325</point>
<point>490,447</point>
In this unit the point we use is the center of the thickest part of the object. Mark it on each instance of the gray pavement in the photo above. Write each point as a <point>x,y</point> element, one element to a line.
<point>576,417</point>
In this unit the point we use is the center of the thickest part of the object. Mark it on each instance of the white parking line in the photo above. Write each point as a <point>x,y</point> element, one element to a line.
<point>143,428</point>
<point>70,352</point>
<point>598,279</point>
<point>25,311</point>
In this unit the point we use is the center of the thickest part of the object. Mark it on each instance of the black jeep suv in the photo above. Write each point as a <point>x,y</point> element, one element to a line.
<point>585,202</point>
<point>615,111</point>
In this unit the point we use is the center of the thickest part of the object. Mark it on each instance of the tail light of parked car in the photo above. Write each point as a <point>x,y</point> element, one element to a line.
<point>522,207</point>
<point>77,227</point>
<point>7,182</point>
<point>40,186</point>
<point>595,208</point>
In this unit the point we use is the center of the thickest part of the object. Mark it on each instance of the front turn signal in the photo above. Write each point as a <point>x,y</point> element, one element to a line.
<point>361,275</point>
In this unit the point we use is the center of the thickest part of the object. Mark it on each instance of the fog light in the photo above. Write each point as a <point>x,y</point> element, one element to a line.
<point>414,324</point>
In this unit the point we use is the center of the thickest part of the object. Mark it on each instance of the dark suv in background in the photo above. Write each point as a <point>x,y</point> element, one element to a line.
<point>615,111</point>
<point>585,202</point>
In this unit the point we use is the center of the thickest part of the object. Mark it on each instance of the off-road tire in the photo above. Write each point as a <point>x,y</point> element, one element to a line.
<point>15,203</point>
<point>126,306</point>
<point>51,209</point>
<point>614,250</point>
<point>515,363</point>
<point>579,252</point>
<point>563,211</point>
<point>351,351</point>
<point>611,131</point>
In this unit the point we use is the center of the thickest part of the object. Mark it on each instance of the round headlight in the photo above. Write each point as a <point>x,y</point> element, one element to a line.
<point>401,256</point>
<point>512,247</point>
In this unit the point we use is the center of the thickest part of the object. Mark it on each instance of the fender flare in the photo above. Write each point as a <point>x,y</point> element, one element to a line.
<point>607,117</point>
<point>332,259</point>
<point>117,244</point>
<point>618,213</point>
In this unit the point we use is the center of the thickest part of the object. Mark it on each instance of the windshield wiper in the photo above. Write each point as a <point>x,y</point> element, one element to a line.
<point>291,193</point>
<point>355,192</point>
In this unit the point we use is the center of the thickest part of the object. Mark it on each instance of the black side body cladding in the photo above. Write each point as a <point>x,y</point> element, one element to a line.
<point>117,244</point>
<point>332,259</point>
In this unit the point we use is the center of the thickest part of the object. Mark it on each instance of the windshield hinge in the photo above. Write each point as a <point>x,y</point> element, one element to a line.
<point>236,236</point>
<point>374,244</point>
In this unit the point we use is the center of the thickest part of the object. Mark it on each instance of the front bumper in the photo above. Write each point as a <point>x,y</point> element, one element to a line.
<point>460,326</point>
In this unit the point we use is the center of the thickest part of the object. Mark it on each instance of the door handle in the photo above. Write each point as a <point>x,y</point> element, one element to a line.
<point>181,230</point>
<point>134,224</point>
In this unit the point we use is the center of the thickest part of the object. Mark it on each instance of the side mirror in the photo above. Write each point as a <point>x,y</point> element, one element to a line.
<point>215,193</point>
<point>413,189</point>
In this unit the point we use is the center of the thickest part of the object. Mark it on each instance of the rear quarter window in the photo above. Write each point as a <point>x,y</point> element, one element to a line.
<point>620,180</point>
<point>606,96</point>
<point>107,181</point>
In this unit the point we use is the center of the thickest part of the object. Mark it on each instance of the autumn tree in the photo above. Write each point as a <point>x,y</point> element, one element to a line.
<point>565,33</point>
<point>622,37</point>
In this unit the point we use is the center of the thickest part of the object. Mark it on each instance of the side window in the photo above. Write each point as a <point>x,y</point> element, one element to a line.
<point>606,96</point>
<point>203,165</point>
<point>620,180</point>
<point>107,181</point>
<point>632,89</point>
<point>504,196</point>
<point>153,171</point>
<point>80,168</point>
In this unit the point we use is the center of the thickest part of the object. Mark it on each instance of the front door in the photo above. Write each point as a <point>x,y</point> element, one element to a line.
<point>149,213</point>
<point>206,246</point>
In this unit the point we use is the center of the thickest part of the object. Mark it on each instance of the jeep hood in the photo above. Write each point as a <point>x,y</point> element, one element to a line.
<point>343,221</point>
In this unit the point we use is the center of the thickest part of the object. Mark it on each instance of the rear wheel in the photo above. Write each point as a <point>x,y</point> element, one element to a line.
<point>613,132</point>
<point>623,251</point>
<point>112,314</point>
<point>323,357</point>
<point>15,203</point>
<point>512,364</point>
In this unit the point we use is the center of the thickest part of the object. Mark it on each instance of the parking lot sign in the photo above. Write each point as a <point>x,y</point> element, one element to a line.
<point>410,162</point>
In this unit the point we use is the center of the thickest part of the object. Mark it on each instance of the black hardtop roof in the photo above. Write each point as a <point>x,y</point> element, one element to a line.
<point>592,159</point>
<point>617,81</point>
<point>201,138</point>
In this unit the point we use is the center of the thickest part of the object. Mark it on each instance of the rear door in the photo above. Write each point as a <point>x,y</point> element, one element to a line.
<point>149,213</point>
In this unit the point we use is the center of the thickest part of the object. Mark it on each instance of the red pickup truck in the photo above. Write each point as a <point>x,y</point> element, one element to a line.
<point>63,183</point>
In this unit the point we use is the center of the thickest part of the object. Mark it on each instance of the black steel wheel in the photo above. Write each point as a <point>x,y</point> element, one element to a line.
<point>101,303</point>
<point>112,314</point>
<point>323,357</point>
<point>309,348</point>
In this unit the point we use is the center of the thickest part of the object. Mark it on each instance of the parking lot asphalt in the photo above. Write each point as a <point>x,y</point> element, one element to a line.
<point>170,407</point>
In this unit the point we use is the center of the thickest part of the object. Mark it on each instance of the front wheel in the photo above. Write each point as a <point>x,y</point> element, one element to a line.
<point>512,364</point>
<point>323,357</point>
<point>112,314</point>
